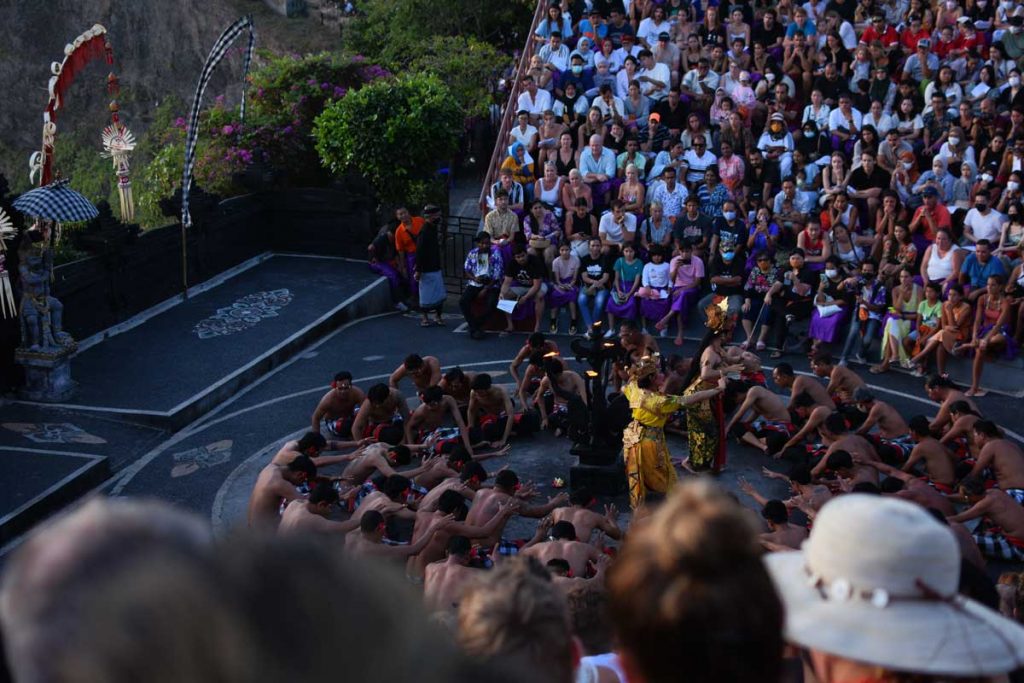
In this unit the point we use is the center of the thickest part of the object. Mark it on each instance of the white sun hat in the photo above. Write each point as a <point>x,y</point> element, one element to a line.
<point>876,582</point>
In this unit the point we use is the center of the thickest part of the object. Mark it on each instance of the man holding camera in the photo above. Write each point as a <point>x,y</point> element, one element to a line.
<point>484,272</point>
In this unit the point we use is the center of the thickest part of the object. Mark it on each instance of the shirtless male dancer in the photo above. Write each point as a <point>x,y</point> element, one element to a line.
<point>453,505</point>
<point>842,381</point>
<point>466,483</point>
<point>336,410</point>
<point>850,471</point>
<point>938,461</point>
<point>311,516</point>
<point>585,520</point>
<point>1002,537</point>
<point>277,483</point>
<point>772,426</point>
<point>562,385</point>
<point>455,383</point>
<point>960,435</point>
<point>835,433</point>
<point>446,581</point>
<point>531,379</point>
<point>312,444</point>
<point>425,371</point>
<point>487,503</point>
<point>784,377</point>
<point>781,532</point>
<point>564,545</point>
<point>368,539</point>
<point>425,423</point>
<point>1000,455</point>
<point>491,416</point>
<point>806,493</point>
<point>894,436</point>
<point>810,416</point>
<point>912,488</point>
<point>391,499</point>
<point>943,391</point>
<point>381,415</point>
<point>384,459</point>
<point>535,343</point>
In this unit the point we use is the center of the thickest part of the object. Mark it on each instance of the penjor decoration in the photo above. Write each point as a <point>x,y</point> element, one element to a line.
<point>7,232</point>
<point>118,142</point>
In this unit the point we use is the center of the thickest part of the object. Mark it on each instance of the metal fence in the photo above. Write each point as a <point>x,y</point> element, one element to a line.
<point>509,111</point>
<point>461,233</point>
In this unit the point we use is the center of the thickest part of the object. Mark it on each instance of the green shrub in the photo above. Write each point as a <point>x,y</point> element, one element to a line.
<point>394,132</point>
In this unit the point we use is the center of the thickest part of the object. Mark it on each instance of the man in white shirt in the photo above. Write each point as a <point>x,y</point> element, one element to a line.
<point>699,85</point>
<point>617,228</point>
<point>524,132</point>
<point>609,105</point>
<point>554,53</point>
<point>655,78</point>
<point>629,49</point>
<point>698,159</point>
<point>982,222</point>
<point>845,121</point>
<point>533,100</point>
<point>670,194</point>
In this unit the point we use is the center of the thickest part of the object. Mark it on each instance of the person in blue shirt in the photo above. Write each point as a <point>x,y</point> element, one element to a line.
<point>801,23</point>
<point>978,268</point>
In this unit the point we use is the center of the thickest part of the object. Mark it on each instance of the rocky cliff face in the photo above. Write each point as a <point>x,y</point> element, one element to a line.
<point>159,48</point>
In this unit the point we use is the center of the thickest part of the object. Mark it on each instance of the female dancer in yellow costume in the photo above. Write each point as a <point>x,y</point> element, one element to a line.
<point>648,467</point>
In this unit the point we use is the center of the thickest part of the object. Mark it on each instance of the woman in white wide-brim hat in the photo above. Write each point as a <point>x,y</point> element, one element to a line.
<point>872,596</point>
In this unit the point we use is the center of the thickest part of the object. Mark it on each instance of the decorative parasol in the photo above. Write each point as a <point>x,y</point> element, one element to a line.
<point>7,231</point>
<point>56,202</point>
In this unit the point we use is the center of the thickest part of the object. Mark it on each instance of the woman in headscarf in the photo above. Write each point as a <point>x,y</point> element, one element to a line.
<point>521,166</point>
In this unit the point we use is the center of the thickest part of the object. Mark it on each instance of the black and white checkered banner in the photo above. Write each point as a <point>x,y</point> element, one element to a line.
<point>220,49</point>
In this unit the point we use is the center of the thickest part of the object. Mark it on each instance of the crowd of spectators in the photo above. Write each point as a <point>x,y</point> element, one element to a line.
<point>831,161</point>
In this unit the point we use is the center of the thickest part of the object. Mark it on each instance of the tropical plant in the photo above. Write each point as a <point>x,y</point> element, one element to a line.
<point>396,133</point>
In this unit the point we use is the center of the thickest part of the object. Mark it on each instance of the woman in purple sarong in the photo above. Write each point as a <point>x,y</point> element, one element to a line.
<point>686,272</point>
<point>564,290</point>
<point>831,306</point>
<point>622,303</point>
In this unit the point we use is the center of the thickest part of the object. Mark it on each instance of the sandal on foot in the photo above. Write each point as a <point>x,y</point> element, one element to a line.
<point>761,346</point>
<point>775,354</point>
<point>426,323</point>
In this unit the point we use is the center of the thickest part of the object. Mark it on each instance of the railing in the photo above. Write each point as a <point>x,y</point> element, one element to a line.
<point>459,239</point>
<point>508,115</point>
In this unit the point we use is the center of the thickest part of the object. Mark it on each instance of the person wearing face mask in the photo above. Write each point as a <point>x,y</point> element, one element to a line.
<point>981,222</point>
<point>869,306</point>
<point>726,277</point>
<point>1012,96</point>
<point>1013,39</point>
<point>1011,196</point>
<point>956,150</point>
<point>831,306</point>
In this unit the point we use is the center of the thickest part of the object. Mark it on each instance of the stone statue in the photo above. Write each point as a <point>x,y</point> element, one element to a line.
<point>41,312</point>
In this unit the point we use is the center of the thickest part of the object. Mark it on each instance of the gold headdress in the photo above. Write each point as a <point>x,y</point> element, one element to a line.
<point>646,366</point>
<point>718,315</point>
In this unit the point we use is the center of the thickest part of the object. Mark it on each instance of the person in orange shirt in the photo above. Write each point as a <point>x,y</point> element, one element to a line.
<point>931,216</point>
<point>409,227</point>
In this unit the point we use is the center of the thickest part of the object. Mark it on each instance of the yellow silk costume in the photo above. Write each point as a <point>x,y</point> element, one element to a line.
<point>648,466</point>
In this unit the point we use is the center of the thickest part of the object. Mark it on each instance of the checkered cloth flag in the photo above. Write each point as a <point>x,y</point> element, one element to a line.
<point>56,202</point>
<point>220,49</point>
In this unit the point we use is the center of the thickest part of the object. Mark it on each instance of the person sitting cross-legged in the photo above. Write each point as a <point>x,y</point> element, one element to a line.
<point>524,281</point>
